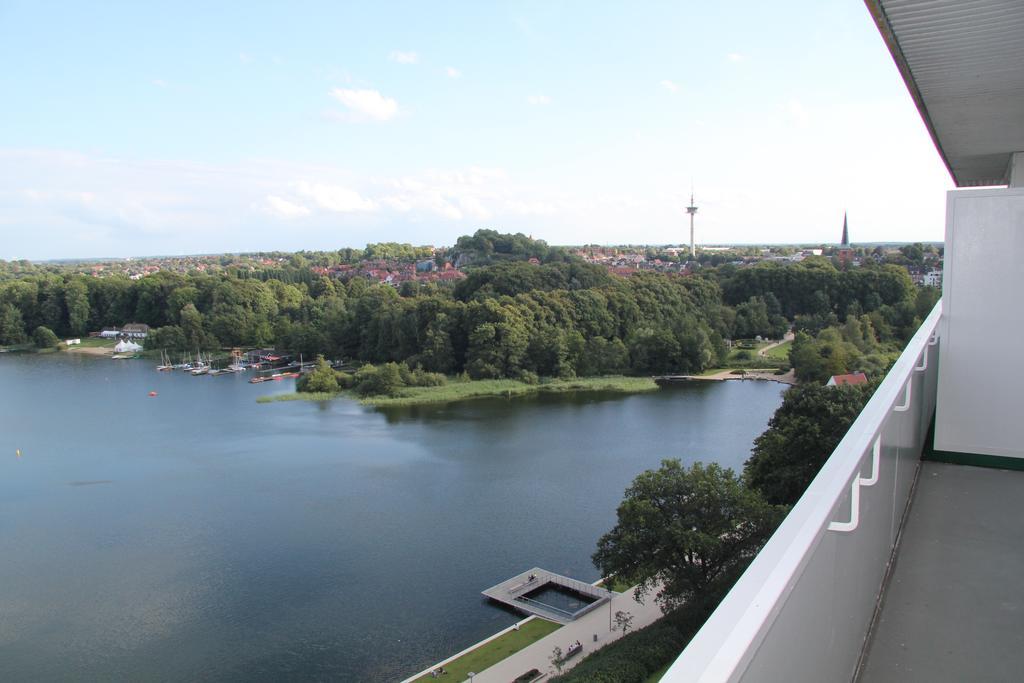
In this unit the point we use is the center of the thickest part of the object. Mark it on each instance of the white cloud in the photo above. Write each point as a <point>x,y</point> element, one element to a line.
<point>538,100</point>
<point>403,57</point>
<point>671,86</point>
<point>735,57</point>
<point>452,72</point>
<point>285,208</point>
<point>159,82</point>
<point>246,58</point>
<point>798,112</point>
<point>366,104</point>
<point>474,208</point>
<point>476,193</point>
<point>412,196</point>
<point>335,197</point>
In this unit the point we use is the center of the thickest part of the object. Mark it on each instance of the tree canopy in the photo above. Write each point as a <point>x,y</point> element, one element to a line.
<point>801,435</point>
<point>693,529</point>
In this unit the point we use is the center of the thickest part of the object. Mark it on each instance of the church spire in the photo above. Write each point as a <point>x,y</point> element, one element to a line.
<point>846,233</point>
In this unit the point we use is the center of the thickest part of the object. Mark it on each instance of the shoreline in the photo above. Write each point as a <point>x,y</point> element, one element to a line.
<point>763,375</point>
<point>91,350</point>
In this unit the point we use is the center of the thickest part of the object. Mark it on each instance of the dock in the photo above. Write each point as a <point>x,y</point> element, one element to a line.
<point>517,591</point>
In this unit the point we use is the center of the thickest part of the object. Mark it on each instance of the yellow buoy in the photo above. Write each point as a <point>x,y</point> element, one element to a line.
<point>18,452</point>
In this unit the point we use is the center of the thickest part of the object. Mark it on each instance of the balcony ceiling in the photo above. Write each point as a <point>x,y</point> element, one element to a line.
<point>963,61</point>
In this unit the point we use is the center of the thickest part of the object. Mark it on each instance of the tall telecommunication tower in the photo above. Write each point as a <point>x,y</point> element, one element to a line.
<point>692,209</point>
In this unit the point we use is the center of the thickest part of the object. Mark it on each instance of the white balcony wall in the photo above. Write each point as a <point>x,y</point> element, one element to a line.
<point>802,609</point>
<point>979,393</point>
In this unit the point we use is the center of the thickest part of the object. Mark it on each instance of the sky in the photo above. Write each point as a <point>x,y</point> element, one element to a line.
<point>131,129</point>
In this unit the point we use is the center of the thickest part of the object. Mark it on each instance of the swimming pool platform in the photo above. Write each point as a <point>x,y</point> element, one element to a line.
<point>520,593</point>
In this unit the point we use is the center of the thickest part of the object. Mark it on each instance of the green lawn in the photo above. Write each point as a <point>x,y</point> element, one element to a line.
<point>780,352</point>
<point>493,652</point>
<point>750,351</point>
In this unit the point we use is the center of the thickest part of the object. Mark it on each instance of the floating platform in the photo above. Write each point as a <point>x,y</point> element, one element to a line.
<point>526,592</point>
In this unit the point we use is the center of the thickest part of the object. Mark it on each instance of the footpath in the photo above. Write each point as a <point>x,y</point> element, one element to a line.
<point>591,630</point>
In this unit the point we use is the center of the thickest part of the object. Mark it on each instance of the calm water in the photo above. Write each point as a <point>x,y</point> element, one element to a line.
<point>199,535</point>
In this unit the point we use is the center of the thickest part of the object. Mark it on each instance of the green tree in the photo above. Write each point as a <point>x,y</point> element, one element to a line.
<point>168,337</point>
<point>321,379</point>
<point>12,326</point>
<point>654,351</point>
<point>815,360</point>
<point>438,355</point>
<point>192,327</point>
<point>752,319</point>
<point>498,344</point>
<point>76,299</point>
<point>383,380</point>
<point>179,298</point>
<point>801,435</point>
<point>44,338</point>
<point>693,530</point>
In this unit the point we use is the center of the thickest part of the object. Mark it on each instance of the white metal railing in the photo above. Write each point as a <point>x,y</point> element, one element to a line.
<point>802,610</point>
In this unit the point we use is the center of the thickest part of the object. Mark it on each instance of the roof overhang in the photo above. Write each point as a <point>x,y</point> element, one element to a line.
<point>963,62</point>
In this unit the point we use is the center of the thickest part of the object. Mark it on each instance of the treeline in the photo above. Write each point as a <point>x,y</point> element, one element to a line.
<point>514,318</point>
<point>563,319</point>
<point>815,288</point>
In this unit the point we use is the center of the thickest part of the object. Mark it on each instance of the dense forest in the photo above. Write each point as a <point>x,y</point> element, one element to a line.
<point>510,317</point>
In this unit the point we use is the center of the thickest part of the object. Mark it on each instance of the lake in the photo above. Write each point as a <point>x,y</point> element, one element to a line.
<point>198,535</point>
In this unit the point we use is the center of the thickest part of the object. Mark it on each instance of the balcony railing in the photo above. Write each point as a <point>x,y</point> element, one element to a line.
<point>802,610</point>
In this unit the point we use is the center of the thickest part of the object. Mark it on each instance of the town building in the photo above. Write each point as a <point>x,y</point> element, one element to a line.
<point>845,253</point>
<point>851,379</point>
<point>135,330</point>
<point>932,278</point>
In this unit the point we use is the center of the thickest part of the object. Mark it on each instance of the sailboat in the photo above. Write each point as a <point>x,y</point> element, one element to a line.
<point>165,362</point>
<point>200,367</point>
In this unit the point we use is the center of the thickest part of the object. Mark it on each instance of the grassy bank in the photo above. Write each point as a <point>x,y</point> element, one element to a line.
<point>95,343</point>
<point>507,388</point>
<point>496,650</point>
<point>483,388</point>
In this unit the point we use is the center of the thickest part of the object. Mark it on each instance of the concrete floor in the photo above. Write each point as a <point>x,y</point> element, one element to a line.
<point>954,607</point>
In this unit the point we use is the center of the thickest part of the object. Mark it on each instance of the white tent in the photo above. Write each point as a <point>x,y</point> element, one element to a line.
<point>126,347</point>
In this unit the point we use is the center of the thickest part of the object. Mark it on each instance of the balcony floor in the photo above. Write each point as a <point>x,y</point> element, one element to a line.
<point>954,607</point>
